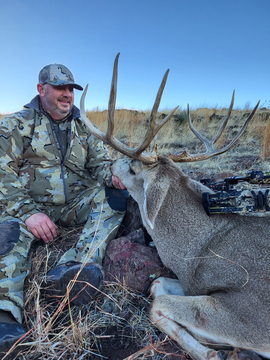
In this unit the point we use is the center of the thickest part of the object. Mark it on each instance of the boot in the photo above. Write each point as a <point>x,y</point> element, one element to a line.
<point>10,332</point>
<point>82,292</point>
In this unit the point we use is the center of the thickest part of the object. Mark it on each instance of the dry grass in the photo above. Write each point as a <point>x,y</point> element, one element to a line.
<point>117,319</point>
<point>2,116</point>
<point>119,316</point>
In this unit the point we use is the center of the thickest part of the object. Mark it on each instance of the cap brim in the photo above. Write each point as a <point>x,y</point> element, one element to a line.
<point>60,83</point>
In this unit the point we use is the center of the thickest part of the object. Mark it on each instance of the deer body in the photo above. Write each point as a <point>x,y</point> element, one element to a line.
<point>221,261</point>
<point>222,295</point>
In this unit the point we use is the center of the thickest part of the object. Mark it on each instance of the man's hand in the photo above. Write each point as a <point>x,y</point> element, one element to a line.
<point>42,227</point>
<point>117,183</point>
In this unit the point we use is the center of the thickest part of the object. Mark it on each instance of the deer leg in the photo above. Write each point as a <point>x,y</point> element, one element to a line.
<point>166,286</point>
<point>193,320</point>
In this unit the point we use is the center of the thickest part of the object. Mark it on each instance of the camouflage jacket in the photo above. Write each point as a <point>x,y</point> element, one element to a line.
<point>33,169</point>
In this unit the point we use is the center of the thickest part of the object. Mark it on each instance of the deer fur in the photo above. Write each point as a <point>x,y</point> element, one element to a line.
<point>222,263</point>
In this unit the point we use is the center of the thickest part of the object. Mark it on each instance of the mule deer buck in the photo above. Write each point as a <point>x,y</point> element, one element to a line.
<point>221,299</point>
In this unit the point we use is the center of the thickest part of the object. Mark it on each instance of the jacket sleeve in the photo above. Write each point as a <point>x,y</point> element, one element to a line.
<point>99,161</point>
<point>14,196</point>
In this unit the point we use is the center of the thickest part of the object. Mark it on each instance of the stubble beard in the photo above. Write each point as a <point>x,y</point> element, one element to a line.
<point>52,107</point>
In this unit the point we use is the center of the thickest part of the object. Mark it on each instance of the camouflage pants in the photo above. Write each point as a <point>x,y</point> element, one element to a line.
<point>90,208</point>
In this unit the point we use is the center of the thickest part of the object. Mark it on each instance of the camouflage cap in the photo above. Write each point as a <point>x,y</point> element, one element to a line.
<point>57,75</point>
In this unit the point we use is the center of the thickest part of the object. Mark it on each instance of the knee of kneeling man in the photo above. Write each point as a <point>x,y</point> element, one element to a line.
<point>10,233</point>
<point>117,199</point>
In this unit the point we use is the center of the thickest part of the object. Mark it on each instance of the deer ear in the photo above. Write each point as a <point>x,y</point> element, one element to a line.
<point>154,195</point>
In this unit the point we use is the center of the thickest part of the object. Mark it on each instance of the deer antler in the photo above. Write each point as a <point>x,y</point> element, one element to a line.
<point>153,127</point>
<point>210,151</point>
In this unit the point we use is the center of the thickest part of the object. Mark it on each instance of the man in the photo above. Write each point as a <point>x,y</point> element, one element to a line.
<point>52,171</point>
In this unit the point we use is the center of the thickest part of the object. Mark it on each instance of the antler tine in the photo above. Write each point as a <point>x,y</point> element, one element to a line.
<point>225,120</point>
<point>95,131</point>
<point>153,126</point>
<point>196,132</point>
<point>112,99</point>
<point>207,142</point>
<point>243,128</point>
<point>210,151</point>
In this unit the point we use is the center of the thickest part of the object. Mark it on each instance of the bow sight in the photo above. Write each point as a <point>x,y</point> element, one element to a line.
<point>228,199</point>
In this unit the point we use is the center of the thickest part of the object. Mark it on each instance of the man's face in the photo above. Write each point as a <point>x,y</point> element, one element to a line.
<point>57,100</point>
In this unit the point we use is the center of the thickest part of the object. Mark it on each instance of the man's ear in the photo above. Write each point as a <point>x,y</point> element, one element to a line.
<point>154,194</point>
<point>40,89</point>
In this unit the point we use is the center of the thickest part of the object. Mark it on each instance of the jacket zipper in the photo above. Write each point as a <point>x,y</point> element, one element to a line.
<point>60,153</point>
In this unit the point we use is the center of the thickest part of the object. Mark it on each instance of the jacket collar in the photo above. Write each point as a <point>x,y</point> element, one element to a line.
<point>34,104</point>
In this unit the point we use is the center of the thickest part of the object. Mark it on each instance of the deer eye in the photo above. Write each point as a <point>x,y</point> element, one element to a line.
<point>131,171</point>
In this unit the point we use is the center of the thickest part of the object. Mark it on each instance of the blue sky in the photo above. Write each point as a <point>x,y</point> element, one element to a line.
<point>210,46</point>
